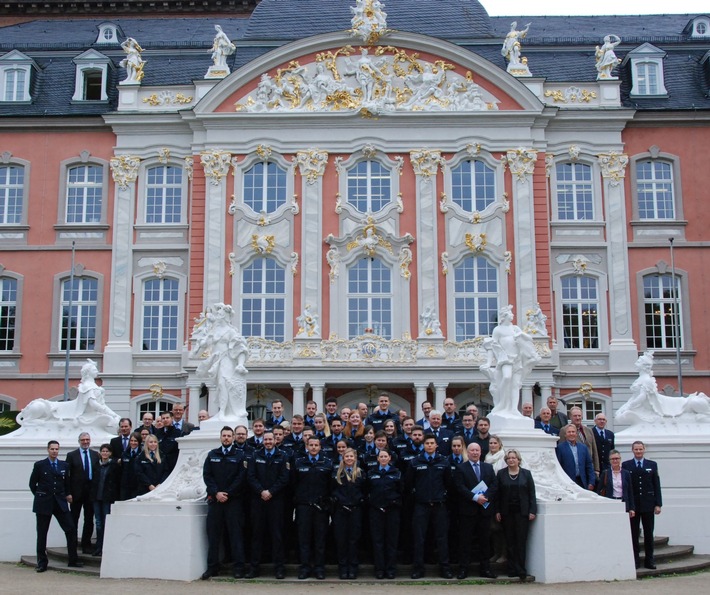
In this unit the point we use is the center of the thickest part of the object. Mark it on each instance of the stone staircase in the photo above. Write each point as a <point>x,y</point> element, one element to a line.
<point>673,559</point>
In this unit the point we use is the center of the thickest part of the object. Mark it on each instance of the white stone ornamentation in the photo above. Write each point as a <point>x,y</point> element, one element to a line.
<point>185,483</point>
<point>425,162</point>
<point>189,167</point>
<point>308,323</point>
<point>521,162</point>
<point>312,164</point>
<point>369,21</point>
<point>517,65</point>
<point>429,323</point>
<point>294,263</point>
<point>405,259</point>
<point>613,166</point>
<point>332,257</point>
<point>216,165</point>
<point>476,242</point>
<point>125,169</point>
<point>370,241</point>
<point>263,244</point>
<point>444,263</point>
<point>133,63</point>
<point>507,259</point>
<point>606,59</point>
<point>221,48</point>
<point>536,322</point>
<point>159,268</point>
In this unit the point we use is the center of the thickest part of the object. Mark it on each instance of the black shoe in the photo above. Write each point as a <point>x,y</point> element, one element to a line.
<point>239,573</point>
<point>303,574</point>
<point>279,574</point>
<point>523,577</point>
<point>76,564</point>
<point>379,575</point>
<point>96,553</point>
<point>488,574</point>
<point>344,576</point>
<point>208,574</point>
<point>41,569</point>
<point>320,575</point>
<point>650,566</point>
<point>417,574</point>
<point>390,575</point>
<point>253,573</point>
<point>462,575</point>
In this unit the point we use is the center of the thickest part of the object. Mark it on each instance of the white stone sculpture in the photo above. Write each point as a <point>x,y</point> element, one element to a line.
<point>552,484</point>
<point>308,324</point>
<point>184,484</point>
<point>221,48</point>
<point>536,322</point>
<point>369,20</point>
<point>430,325</point>
<point>367,73</point>
<point>133,63</point>
<point>606,59</point>
<point>649,410</point>
<point>88,412</point>
<point>225,354</point>
<point>517,65</point>
<point>511,356</point>
<point>332,257</point>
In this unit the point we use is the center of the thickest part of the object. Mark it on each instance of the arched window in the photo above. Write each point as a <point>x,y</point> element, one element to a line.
<point>473,185</point>
<point>161,302</point>
<point>265,187</point>
<point>163,191</point>
<point>369,186</point>
<point>663,311</point>
<point>580,312</point>
<point>369,298</point>
<point>475,297</point>
<point>575,198</point>
<point>654,187</point>
<point>264,300</point>
<point>79,306</point>
<point>648,78</point>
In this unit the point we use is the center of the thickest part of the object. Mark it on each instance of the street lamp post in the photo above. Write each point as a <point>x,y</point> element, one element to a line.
<point>676,321</point>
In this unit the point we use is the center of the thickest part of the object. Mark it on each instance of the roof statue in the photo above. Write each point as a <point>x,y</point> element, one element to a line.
<point>517,65</point>
<point>369,20</point>
<point>133,63</point>
<point>221,48</point>
<point>606,58</point>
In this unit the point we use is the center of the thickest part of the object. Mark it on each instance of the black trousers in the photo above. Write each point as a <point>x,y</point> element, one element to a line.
<point>83,502</point>
<point>475,529</point>
<point>648,520</point>
<point>66,523</point>
<point>221,516</point>
<point>312,527</point>
<point>384,529</point>
<point>423,515</point>
<point>267,518</point>
<point>515,527</point>
<point>348,528</point>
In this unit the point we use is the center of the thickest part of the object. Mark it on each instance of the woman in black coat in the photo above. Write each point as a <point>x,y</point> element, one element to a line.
<point>347,494</point>
<point>516,507</point>
<point>104,491</point>
<point>150,467</point>
<point>129,480</point>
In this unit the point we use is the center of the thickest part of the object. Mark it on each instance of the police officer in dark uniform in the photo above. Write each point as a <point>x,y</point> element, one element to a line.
<point>311,494</point>
<point>224,473</point>
<point>429,476</point>
<point>348,495</point>
<point>268,477</point>
<point>50,486</point>
<point>384,486</point>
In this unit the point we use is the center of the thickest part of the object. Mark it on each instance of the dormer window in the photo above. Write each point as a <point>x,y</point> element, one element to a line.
<point>15,76</point>
<point>699,27</point>
<point>91,81</point>
<point>108,34</point>
<point>647,71</point>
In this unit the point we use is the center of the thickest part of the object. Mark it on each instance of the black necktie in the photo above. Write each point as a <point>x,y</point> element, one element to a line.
<point>225,451</point>
<point>638,464</point>
<point>547,428</point>
<point>152,455</point>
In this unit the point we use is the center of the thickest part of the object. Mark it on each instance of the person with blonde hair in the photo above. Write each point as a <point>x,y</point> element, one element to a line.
<point>347,492</point>
<point>150,468</point>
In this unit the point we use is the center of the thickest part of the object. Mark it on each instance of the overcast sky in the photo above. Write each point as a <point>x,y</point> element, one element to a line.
<point>592,7</point>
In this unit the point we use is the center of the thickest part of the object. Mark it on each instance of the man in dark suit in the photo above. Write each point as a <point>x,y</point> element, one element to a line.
<point>475,510</point>
<point>81,463</point>
<point>119,444</point>
<point>604,439</point>
<point>424,421</point>
<point>558,419</point>
<point>575,459</point>
<point>646,486</point>
<point>167,436</point>
<point>443,436</point>
<point>50,486</point>
<point>543,422</point>
<point>181,425</point>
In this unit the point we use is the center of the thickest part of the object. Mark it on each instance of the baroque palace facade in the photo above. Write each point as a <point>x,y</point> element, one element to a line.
<point>367,184</point>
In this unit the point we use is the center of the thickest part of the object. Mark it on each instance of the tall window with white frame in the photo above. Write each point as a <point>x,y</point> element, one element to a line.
<point>647,78</point>
<point>264,300</point>
<point>473,185</point>
<point>8,309</point>
<point>265,187</point>
<point>369,186</point>
<point>12,180</point>
<point>663,311</point>
<point>370,298</point>
<point>654,187</point>
<point>160,314</point>
<point>580,312</point>
<point>78,324</point>
<point>15,84</point>
<point>163,188</point>
<point>475,298</point>
<point>575,200</point>
<point>84,194</point>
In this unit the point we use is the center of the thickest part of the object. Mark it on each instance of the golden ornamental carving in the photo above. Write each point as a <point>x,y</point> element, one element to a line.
<point>613,166</point>
<point>425,162</point>
<point>264,151</point>
<point>159,268</point>
<point>369,241</point>
<point>189,167</point>
<point>164,155</point>
<point>405,259</point>
<point>571,95</point>
<point>311,164</point>
<point>167,98</point>
<point>216,165</point>
<point>294,263</point>
<point>263,244</point>
<point>586,389</point>
<point>521,162</point>
<point>476,242</point>
<point>156,391</point>
<point>369,21</point>
<point>125,169</point>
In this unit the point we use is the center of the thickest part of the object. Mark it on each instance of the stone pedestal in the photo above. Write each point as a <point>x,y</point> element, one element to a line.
<point>683,458</point>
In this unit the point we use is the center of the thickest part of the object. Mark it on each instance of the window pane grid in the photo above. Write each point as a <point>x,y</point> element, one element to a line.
<point>472,185</point>
<point>84,194</point>
<point>475,298</point>
<point>654,185</point>
<point>265,187</point>
<point>160,314</point>
<point>8,308</point>
<point>164,195</point>
<point>369,187</point>
<point>575,200</point>
<point>580,313</point>
<point>78,324</point>
<point>662,316</point>
<point>15,84</point>
<point>264,300</point>
<point>11,193</point>
<point>370,298</point>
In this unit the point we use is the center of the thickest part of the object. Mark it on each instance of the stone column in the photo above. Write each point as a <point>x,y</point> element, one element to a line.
<point>439,395</point>
<point>318,390</point>
<point>298,404</point>
<point>311,164</point>
<point>522,164</point>
<point>216,165</point>
<point>426,165</point>
<point>622,348</point>
<point>193,403</point>
<point>421,394</point>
